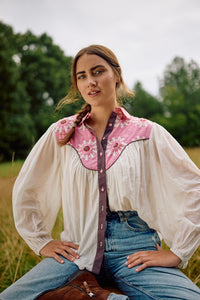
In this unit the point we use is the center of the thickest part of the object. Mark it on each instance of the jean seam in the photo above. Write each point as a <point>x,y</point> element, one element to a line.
<point>140,230</point>
<point>139,289</point>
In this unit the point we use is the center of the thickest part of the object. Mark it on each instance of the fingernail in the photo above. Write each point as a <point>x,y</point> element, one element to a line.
<point>62,261</point>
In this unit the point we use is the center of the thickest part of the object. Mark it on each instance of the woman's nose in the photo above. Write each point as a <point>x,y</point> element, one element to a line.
<point>91,82</point>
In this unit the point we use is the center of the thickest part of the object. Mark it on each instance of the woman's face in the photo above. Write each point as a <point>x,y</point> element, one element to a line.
<point>96,81</point>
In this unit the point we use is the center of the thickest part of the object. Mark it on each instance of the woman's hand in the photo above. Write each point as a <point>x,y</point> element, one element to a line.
<point>53,248</point>
<point>159,258</point>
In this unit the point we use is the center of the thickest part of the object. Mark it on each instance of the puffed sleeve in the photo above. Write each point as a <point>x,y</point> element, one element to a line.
<point>175,185</point>
<point>37,192</point>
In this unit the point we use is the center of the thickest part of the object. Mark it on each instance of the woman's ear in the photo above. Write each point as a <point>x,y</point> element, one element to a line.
<point>118,81</point>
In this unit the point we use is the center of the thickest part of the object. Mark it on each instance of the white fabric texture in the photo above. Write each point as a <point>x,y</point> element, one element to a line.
<point>155,177</point>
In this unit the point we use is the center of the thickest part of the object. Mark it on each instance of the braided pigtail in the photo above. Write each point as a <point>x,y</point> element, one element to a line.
<point>80,115</point>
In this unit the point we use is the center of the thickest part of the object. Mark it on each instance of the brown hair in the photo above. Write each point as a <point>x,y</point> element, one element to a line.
<point>73,95</point>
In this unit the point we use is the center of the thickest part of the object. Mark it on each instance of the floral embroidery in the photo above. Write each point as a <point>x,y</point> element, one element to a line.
<point>126,129</point>
<point>66,126</point>
<point>140,122</point>
<point>87,150</point>
<point>82,127</point>
<point>115,146</point>
<point>63,126</point>
<point>120,123</point>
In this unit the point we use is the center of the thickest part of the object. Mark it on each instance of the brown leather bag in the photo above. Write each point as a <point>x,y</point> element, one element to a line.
<point>82,286</point>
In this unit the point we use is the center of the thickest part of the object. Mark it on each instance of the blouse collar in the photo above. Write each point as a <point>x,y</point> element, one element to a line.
<point>120,111</point>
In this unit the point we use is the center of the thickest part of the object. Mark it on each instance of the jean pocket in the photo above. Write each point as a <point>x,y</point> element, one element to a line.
<point>134,223</point>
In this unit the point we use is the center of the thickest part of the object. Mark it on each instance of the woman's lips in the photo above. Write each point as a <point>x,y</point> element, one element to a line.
<point>93,93</point>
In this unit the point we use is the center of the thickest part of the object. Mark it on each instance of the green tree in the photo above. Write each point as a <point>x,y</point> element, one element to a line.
<point>34,76</point>
<point>46,72</point>
<point>16,126</point>
<point>144,104</point>
<point>180,91</point>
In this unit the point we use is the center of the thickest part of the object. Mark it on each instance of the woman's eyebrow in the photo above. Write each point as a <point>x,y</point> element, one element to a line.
<point>98,66</point>
<point>92,69</point>
<point>81,72</point>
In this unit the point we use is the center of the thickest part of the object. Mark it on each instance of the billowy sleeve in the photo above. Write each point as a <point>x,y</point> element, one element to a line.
<point>37,192</point>
<point>175,187</point>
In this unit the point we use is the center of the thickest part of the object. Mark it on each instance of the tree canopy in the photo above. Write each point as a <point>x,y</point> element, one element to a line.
<point>143,104</point>
<point>180,92</point>
<point>35,74</point>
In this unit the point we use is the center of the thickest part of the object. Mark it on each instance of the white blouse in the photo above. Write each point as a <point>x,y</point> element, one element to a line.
<point>138,166</point>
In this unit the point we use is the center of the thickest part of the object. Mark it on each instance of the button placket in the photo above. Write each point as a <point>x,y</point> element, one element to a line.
<point>102,204</point>
<point>102,189</point>
<point>101,164</point>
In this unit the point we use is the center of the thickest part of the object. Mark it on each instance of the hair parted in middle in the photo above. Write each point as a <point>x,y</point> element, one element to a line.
<point>110,58</point>
<point>74,95</point>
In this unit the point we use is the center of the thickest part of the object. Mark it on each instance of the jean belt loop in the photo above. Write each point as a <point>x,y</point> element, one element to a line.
<point>122,216</point>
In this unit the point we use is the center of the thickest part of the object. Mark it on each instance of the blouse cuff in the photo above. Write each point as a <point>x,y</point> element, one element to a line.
<point>183,263</point>
<point>39,244</point>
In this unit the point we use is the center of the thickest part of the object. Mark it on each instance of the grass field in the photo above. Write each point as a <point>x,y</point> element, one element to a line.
<point>15,256</point>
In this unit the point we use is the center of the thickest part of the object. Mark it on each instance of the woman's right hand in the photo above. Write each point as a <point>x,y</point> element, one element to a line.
<point>54,248</point>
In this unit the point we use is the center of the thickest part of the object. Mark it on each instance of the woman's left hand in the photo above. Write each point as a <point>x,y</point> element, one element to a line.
<point>153,258</point>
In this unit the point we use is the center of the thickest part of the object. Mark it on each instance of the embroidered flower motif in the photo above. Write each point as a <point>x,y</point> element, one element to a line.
<point>115,146</point>
<point>82,127</point>
<point>64,125</point>
<point>121,123</point>
<point>140,122</point>
<point>87,150</point>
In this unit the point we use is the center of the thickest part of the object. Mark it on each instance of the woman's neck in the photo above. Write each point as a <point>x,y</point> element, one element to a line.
<point>98,120</point>
<point>100,115</point>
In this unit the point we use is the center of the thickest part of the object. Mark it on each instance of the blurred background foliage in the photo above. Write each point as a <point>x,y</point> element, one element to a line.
<point>35,74</point>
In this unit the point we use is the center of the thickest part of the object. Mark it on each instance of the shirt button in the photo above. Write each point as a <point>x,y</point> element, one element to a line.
<point>101,171</point>
<point>101,244</point>
<point>102,189</point>
<point>100,153</point>
<point>103,138</point>
<point>102,208</point>
<point>101,226</point>
<point>110,124</point>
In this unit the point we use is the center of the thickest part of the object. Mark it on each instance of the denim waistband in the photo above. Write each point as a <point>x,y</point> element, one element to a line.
<point>120,214</point>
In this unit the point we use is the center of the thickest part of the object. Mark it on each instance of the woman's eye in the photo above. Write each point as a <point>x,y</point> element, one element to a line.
<point>81,77</point>
<point>98,72</point>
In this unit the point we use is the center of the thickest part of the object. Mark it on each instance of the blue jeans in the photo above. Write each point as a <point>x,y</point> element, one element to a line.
<point>125,234</point>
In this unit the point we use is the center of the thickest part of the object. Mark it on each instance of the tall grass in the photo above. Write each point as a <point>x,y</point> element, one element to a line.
<point>15,256</point>
<point>8,169</point>
<point>194,154</point>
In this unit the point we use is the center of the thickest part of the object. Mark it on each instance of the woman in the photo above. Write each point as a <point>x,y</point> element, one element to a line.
<point>121,180</point>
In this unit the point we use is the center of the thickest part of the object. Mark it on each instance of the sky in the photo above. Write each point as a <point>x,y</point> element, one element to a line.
<point>145,35</point>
